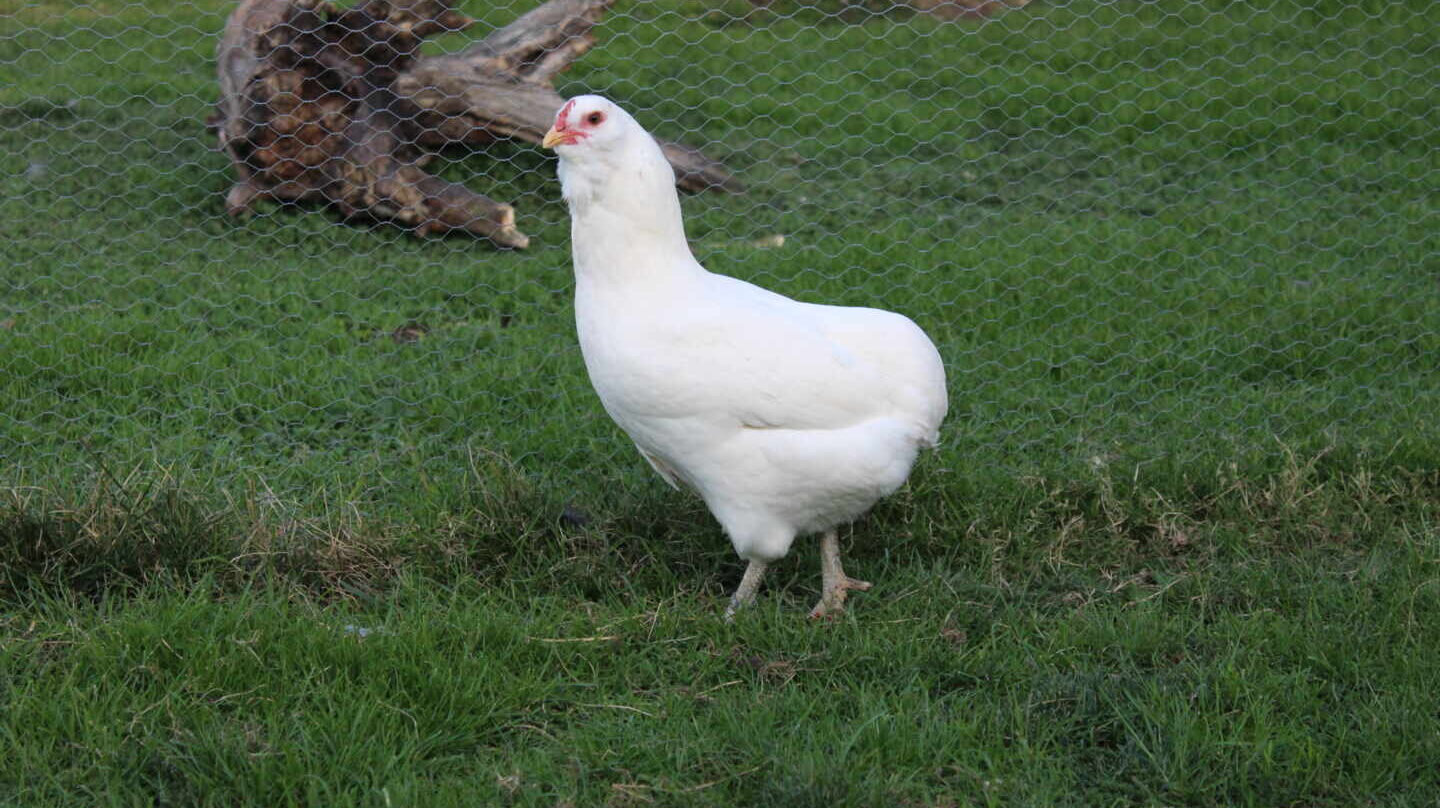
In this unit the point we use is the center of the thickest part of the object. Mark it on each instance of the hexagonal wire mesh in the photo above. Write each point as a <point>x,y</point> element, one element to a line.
<point>1186,232</point>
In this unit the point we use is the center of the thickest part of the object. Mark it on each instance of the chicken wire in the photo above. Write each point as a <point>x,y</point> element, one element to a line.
<point>1024,231</point>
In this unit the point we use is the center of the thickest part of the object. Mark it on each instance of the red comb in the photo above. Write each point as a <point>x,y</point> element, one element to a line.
<point>560,122</point>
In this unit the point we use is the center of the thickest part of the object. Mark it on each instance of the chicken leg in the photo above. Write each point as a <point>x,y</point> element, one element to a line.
<point>745,593</point>
<point>836,582</point>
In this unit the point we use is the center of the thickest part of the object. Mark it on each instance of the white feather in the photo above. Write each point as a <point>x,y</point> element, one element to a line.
<point>786,417</point>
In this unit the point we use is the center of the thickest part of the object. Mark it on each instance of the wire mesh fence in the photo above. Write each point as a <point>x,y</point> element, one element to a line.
<point>1179,233</point>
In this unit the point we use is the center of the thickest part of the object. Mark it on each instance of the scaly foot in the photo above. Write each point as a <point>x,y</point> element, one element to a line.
<point>745,594</point>
<point>832,601</point>
<point>836,582</point>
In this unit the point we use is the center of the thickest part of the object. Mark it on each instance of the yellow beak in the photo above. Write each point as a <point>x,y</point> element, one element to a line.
<point>555,138</point>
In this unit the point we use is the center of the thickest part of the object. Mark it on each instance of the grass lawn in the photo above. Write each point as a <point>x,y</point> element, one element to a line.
<point>1181,545</point>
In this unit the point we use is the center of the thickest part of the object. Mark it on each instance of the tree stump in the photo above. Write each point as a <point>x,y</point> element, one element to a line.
<point>320,102</point>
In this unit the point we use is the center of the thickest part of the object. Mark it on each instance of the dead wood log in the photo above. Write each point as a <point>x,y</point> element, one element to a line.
<point>336,104</point>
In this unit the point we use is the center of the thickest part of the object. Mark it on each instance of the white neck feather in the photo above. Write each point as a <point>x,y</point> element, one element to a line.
<point>625,219</point>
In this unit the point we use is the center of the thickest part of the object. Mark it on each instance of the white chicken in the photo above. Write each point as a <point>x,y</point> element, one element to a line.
<point>788,418</point>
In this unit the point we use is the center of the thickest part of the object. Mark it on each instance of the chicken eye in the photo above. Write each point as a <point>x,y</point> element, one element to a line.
<point>595,118</point>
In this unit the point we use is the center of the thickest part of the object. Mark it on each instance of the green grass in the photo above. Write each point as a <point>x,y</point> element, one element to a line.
<point>1180,545</point>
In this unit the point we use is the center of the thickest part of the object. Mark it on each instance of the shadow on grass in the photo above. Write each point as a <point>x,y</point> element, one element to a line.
<point>507,529</point>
